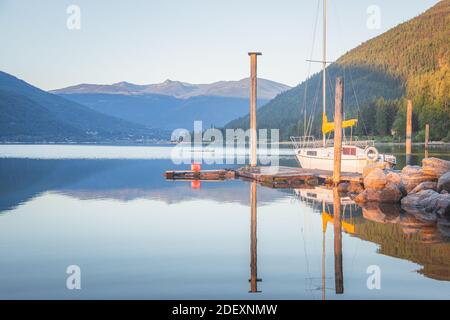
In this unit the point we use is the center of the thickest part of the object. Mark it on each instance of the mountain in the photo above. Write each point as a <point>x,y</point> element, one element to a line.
<point>409,61</point>
<point>172,104</point>
<point>232,89</point>
<point>165,112</point>
<point>28,114</point>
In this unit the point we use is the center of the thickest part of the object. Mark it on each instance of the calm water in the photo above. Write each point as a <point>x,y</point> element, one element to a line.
<point>135,235</point>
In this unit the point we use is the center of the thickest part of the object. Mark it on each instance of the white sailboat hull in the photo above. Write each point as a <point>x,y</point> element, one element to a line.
<point>347,165</point>
<point>323,159</point>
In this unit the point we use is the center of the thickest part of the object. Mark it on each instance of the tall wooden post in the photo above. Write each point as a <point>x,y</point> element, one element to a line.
<point>409,109</point>
<point>253,100</point>
<point>253,241</point>
<point>338,110</point>
<point>427,137</point>
<point>338,269</point>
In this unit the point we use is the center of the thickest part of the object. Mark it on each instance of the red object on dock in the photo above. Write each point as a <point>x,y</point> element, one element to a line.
<point>196,167</point>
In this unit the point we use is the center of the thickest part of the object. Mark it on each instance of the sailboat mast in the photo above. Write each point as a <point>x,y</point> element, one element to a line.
<point>324,65</point>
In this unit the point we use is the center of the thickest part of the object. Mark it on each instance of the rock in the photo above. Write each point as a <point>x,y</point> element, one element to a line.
<point>427,204</point>
<point>412,176</point>
<point>394,177</point>
<point>426,185</point>
<point>376,179</point>
<point>435,167</point>
<point>390,194</point>
<point>343,187</point>
<point>444,182</point>
<point>368,169</point>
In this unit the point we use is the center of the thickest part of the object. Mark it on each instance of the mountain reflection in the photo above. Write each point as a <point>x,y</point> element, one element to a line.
<point>397,234</point>
<point>122,180</point>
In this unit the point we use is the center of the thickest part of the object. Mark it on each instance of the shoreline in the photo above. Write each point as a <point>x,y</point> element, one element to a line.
<point>282,143</point>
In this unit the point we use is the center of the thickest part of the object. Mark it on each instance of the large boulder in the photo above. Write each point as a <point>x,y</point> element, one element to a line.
<point>435,167</point>
<point>376,179</point>
<point>389,194</point>
<point>411,176</point>
<point>371,166</point>
<point>394,177</point>
<point>444,183</point>
<point>427,205</point>
<point>426,185</point>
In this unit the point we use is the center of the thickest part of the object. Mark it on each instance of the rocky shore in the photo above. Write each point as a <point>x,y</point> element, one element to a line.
<point>421,191</point>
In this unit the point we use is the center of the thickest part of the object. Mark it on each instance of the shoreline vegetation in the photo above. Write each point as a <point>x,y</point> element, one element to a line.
<point>431,144</point>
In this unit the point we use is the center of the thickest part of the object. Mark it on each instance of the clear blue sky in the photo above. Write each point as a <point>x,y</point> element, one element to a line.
<point>198,41</point>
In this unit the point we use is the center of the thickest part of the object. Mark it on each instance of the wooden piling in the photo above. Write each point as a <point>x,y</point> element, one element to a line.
<point>338,110</point>
<point>338,269</point>
<point>409,111</point>
<point>427,137</point>
<point>253,101</point>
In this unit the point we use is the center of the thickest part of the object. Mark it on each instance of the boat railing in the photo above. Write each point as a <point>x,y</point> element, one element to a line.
<point>310,142</point>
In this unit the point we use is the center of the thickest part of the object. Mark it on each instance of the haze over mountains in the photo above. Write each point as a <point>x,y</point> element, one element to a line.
<point>172,104</point>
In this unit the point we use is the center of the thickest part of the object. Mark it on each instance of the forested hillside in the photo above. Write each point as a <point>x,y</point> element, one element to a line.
<point>411,61</point>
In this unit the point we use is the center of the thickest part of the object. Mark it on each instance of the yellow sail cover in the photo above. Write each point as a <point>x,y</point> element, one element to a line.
<point>329,126</point>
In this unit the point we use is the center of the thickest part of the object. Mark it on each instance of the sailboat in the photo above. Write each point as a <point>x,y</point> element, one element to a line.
<point>319,154</point>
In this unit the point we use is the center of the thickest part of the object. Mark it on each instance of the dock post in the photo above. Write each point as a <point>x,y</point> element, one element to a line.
<point>338,269</point>
<point>338,109</point>
<point>409,109</point>
<point>253,100</point>
<point>427,137</point>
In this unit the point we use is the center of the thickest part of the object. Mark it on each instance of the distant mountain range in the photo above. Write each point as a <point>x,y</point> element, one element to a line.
<point>231,89</point>
<point>28,114</point>
<point>412,60</point>
<point>122,112</point>
<point>172,104</point>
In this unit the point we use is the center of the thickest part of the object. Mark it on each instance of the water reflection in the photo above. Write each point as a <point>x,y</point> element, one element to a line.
<point>124,180</point>
<point>253,239</point>
<point>168,239</point>
<point>398,234</point>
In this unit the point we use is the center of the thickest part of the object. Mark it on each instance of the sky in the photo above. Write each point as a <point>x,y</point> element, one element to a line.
<point>196,41</point>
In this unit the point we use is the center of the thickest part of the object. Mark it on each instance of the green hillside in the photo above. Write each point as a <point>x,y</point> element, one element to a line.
<point>409,61</point>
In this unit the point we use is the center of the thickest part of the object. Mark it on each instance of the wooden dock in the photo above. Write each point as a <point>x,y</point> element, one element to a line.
<point>271,176</point>
<point>207,175</point>
<point>291,177</point>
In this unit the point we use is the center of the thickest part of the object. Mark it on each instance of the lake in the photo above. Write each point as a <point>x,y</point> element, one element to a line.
<point>133,235</point>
